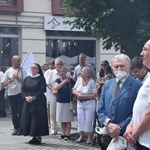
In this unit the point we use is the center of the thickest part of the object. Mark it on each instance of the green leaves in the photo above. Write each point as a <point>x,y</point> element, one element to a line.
<point>119,23</point>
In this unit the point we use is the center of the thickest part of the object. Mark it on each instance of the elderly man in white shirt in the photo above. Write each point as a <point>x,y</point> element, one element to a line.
<point>47,93</point>
<point>50,80</point>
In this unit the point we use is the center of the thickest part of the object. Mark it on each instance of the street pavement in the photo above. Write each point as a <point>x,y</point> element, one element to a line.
<point>51,142</point>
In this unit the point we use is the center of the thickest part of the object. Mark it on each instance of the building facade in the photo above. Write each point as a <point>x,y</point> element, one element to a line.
<point>38,25</point>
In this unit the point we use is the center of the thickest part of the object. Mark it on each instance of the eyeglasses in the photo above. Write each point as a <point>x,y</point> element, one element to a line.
<point>33,68</point>
<point>134,73</point>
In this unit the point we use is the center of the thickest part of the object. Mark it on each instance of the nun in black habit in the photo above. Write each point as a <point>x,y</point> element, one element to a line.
<point>34,114</point>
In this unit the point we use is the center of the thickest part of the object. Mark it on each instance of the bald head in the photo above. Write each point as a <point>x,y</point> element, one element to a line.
<point>16,60</point>
<point>146,54</point>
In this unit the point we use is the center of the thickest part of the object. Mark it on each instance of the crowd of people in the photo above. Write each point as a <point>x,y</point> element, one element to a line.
<point>118,96</point>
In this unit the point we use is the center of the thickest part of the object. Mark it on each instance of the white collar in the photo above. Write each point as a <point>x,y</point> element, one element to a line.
<point>34,76</point>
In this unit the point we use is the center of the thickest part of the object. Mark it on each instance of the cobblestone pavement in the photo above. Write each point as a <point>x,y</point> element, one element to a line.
<point>9,142</point>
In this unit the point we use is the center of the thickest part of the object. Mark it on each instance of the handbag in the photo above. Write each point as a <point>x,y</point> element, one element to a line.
<point>119,144</point>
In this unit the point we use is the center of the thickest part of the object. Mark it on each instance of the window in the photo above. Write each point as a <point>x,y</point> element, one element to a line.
<point>57,8</point>
<point>11,5</point>
<point>8,2</point>
<point>8,48</point>
<point>69,49</point>
<point>8,45</point>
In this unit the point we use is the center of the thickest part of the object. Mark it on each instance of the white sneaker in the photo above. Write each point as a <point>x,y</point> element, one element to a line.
<point>53,132</point>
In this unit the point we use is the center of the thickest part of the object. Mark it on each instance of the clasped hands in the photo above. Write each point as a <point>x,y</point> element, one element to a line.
<point>80,96</point>
<point>130,136</point>
<point>29,98</point>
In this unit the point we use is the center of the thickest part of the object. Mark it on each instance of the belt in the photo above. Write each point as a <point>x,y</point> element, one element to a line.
<point>84,100</point>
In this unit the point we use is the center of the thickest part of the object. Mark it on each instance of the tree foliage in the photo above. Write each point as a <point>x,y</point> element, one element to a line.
<point>119,23</point>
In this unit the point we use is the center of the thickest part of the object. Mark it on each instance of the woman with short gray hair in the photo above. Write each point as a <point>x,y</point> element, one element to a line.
<point>86,92</point>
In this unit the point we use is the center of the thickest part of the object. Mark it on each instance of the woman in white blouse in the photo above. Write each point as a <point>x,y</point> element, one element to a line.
<point>86,92</point>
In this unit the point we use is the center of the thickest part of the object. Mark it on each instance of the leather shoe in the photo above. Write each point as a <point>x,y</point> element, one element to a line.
<point>67,137</point>
<point>15,132</point>
<point>61,137</point>
<point>35,140</point>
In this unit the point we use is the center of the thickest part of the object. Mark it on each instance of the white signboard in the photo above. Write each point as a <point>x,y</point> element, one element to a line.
<point>57,23</point>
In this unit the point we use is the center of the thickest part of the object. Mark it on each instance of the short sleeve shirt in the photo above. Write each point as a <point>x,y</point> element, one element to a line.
<point>64,94</point>
<point>89,88</point>
<point>8,75</point>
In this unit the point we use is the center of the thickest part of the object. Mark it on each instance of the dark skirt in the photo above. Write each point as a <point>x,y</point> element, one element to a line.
<point>34,118</point>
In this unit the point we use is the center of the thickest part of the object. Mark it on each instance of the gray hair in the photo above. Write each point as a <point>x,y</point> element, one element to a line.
<point>64,68</point>
<point>59,60</point>
<point>88,71</point>
<point>51,61</point>
<point>121,57</point>
<point>84,55</point>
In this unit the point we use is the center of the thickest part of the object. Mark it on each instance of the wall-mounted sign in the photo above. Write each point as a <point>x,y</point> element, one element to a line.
<point>57,23</point>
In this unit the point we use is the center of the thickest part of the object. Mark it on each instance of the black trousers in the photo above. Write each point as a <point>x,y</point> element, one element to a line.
<point>140,147</point>
<point>16,104</point>
<point>2,103</point>
<point>103,140</point>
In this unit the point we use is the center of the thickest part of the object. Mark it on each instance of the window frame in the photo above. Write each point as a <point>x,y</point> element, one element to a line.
<point>17,8</point>
<point>57,8</point>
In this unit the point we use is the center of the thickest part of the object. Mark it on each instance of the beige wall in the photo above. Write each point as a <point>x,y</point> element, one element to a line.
<point>103,54</point>
<point>32,34</point>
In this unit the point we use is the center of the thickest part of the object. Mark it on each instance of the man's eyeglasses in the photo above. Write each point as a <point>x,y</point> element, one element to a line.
<point>134,73</point>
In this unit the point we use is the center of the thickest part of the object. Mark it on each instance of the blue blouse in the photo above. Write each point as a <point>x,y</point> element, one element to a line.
<point>63,95</point>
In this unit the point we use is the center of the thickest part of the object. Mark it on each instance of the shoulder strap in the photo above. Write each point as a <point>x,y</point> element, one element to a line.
<point>70,88</point>
<point>21,73</point>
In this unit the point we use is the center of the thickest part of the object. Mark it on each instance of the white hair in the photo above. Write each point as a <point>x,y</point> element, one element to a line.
<point>88,71</point>
<point>59,60</point>
<point>121,57</point>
